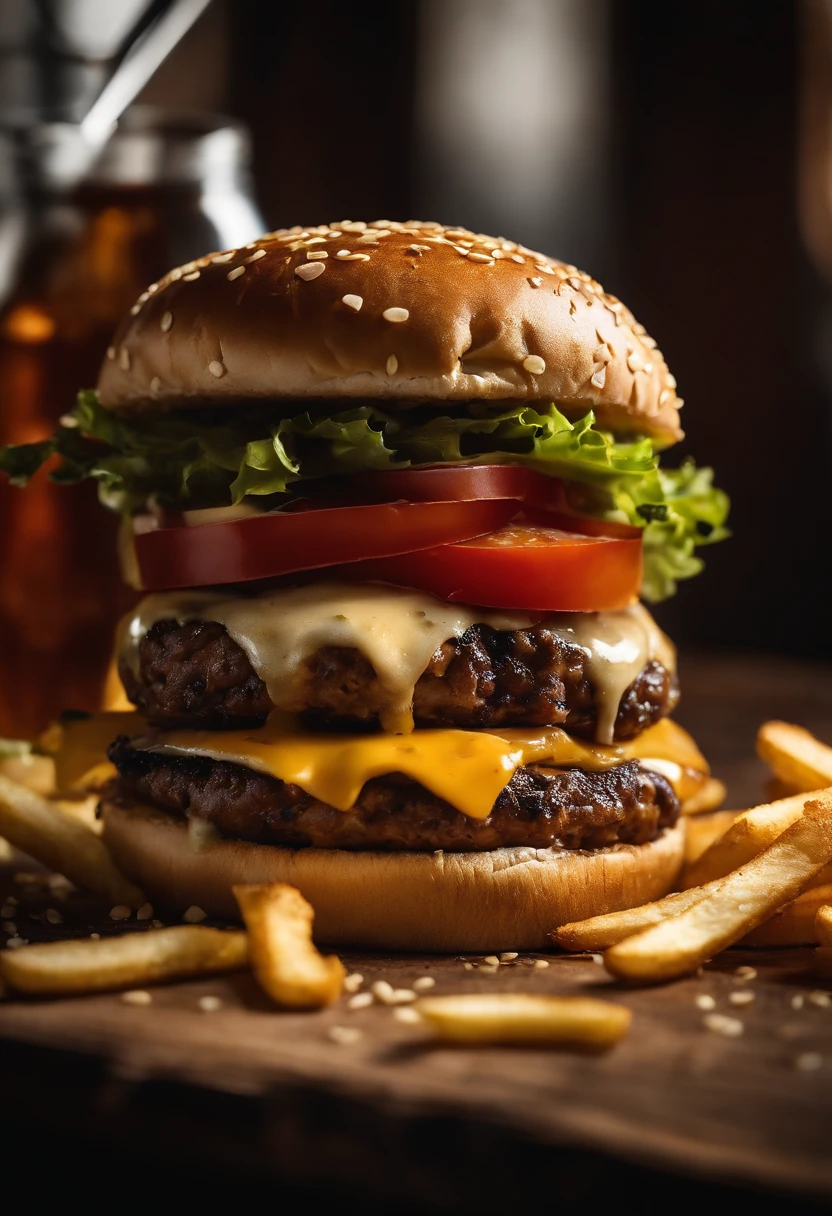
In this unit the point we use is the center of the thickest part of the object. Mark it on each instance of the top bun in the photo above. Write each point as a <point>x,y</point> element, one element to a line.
<point>405,312</point>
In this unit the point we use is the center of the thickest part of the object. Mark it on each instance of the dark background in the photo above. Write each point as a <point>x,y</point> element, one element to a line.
<point>655,144</point>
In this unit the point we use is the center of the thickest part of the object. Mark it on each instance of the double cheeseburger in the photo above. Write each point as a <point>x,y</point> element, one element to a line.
<point>391,493</point>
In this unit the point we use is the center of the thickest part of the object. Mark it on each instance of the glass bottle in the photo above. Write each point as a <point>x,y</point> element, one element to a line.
<point>168,188</point>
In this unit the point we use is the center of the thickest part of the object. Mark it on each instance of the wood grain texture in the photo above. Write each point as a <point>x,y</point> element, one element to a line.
<point>271,1094</point>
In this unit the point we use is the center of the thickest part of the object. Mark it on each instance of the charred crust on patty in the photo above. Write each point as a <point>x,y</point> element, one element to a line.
<point>540,807</point>
<point>195,674</point>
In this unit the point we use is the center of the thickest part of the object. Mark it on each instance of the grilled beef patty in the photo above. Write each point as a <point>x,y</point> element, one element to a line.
<point>197,675</point>
<point>540,807</point>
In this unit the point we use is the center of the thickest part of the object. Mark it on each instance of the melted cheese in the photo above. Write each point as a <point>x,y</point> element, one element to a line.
<point>398,632</point>
<point>468,769</point>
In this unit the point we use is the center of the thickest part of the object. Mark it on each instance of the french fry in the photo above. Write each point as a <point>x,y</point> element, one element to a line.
<point>285,961</point>
<point>511,1017</point>
<point>738,904</point>
<point>599,932</point>
<point>823,925</point>
<point>702,830</point>
<point>794,925</point>
<point>750,833</point>
<point>795,756</point>
<point>709,797</point>
<point>83,965</point>
<point>62,842</point>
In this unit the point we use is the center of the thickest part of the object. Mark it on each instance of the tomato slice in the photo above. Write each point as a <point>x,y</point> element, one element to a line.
<point>520,566</point>
<point>458,483</point>
<point>269,545</point>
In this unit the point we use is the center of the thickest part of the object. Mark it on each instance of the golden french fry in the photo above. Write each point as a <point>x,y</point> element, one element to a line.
<point>702,830</point>
<point>750,833</point>
<point>795,756</point>
<point>794,925</point>
<point>708,797</point>
<point>83,965</point>
<point>823,924</point>
<point>514,1017</point>
<point>734,906</point>
<point>28,768</point>
<point>599,932</point>
<point>63,842</point>
<point>285,961</point>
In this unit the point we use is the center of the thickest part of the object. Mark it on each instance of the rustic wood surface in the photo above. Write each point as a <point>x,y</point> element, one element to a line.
<point>272,1096</point>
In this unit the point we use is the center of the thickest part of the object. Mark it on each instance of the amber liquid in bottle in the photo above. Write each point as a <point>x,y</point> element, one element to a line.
<point>60,589</point>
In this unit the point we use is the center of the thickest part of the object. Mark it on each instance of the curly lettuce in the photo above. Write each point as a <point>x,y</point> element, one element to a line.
<point>210,458</point>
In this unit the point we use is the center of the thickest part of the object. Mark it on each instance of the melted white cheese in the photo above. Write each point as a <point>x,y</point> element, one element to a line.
<point>398,631</point>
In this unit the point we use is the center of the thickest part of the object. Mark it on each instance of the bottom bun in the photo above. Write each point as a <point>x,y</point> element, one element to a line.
<point>508,899</point>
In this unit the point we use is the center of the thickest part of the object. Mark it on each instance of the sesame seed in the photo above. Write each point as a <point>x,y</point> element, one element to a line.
<point>14,942</point>
<point>309,270</point>
<point>135,310</point>
<point>124,359</point>
<point>69,421</point>
<point>648,368</point>
<point>166,322</point>
<point>209,1004</point>
<point>194,915</point>
<point>543,267</point>
<point>356,257</point>
<point>423,983</point>
<point>343,253</point>
<point>361,1000</point>
<point>809,1061</point>
<point>145,912</point>
<point>137,996</point>
<point>797,1001</point>
<point>741,998</point>
<point>597,958</point>
<point>705,1001</point>
<point>536,281</point>
<point>175,275</point>
<point>516,257</point>
<point>235,273</point>
<point>120,912</point>
<point>670,381</point>
<point>54,917</point>
<point>395,315</point>
<point>95,937</point>
<point>190,278</point>
<point>635,362</point>
<point>508,956</point>
<point>822,999</point>
<point>396,996</point>
<point>663,396</point>
<point>155,384</point>
<point>221,258</point>
<point>256,256</point>
<point>540,964</point>
<point>492,960</point>
<point>318,255</point>
<point>344,1035</point>
<point>353,302</point>
<point>111,352</point>
<point>534,365</point>
<point>410,1017</point>
<point>216,368</point>
<point>392,365</point>
<point>599,378</point>
<point>481,257</point>
<point>382,990</point>
<point>746,973</point>
<point>719,1023</point>
<point>353,982</point>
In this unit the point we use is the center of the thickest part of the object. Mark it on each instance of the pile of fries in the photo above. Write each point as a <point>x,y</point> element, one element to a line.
<point>759,877</point>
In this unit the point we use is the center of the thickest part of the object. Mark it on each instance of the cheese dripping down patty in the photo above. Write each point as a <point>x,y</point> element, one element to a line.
<point>398,632</point>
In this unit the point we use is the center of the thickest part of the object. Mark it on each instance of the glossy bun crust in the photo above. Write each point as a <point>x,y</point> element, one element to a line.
<point>505,899</point>
<point>411,312</point>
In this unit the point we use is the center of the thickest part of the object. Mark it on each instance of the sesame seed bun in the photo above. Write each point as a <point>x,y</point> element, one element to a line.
<point>507,899</point>
<point>400,312</point>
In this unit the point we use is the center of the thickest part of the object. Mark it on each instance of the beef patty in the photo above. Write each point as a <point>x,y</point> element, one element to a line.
<point>540,807</point>
<point>197,675</point>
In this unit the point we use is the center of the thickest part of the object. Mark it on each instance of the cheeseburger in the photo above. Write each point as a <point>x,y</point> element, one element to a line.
<point>391,494</point>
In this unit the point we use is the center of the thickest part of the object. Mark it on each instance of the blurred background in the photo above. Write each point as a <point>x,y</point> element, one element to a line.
<point>680,153</point>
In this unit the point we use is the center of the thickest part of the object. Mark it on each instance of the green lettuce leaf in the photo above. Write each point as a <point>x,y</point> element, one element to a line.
<point>205,458</point>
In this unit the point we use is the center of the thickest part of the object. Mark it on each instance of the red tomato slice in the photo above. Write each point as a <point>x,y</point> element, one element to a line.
<point>520,566</point>
<point>265,546</point>
<point>457,483</point>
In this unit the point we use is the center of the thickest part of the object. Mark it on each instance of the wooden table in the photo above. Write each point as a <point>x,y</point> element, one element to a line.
<point>265,1103</point>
